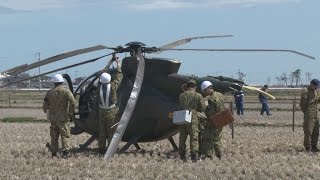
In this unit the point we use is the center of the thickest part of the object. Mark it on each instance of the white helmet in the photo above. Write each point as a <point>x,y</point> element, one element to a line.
<point>205,85</point>
<point>57,78</point>
<point>105,78</point>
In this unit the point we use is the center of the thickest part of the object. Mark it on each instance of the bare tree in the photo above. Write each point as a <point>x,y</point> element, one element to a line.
<point>283,79</point>
<point>241,75</point>
<point>278,78</point>
<point>296,76</point>
<point>291,79</point>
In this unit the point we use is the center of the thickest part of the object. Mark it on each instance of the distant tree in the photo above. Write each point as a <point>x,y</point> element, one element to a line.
<point>291,79</point>
<point>283,79</point>
<point>278,78</point>
<point>240,75</point>
<point>296,76</point>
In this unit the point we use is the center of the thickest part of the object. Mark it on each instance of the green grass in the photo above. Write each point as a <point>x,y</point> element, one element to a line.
<point>22,120</point>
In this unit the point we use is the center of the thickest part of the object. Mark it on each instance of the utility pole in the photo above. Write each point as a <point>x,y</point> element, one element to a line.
<point>39,78</point>
<point>75,79</point>
<point>76,71</point>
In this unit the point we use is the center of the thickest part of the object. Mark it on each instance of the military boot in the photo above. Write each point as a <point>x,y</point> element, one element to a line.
<point>183,157</point>
<point>54,154</point>
<point>202,157</point>
<point>102,151</point>
<point>193,157</point>
<point>219,156</point>
<point>307,149</point>
<point>315,149</point>
<point>66,154</point>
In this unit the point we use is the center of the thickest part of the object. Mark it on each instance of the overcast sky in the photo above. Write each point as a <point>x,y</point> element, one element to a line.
<point>56,26</point>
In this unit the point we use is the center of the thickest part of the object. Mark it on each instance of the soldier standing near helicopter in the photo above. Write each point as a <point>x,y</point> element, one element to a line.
<point>211,137</point>
<point>308,104</point>
<point>59,103</point>
<point>108,103</point>
<point>190,100</point>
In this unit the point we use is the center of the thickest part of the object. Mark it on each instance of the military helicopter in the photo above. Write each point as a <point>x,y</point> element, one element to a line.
<point>148,93</point>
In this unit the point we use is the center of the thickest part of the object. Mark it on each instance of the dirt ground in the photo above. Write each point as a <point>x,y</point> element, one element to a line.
<point>268,149</point>
<point>20,112</point>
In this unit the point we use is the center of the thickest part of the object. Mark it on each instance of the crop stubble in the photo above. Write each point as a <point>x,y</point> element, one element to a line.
<point>263,152</point>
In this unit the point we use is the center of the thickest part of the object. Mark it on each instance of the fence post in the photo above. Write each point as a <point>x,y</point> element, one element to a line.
<point>9,101</point>
<point>231,125</point>
<point>293,113</point>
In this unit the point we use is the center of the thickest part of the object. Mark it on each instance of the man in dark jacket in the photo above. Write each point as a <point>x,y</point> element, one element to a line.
<point>264,101</point>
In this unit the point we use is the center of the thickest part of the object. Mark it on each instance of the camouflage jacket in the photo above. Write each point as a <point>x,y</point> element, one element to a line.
<point>214,103</point>
<point>60,103</point>
<point>115,82</point>
<point>308,102</point>
<point>191,100</point>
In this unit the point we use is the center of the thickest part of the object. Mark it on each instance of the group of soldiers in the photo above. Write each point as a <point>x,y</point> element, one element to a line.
<point>205,140</point>
<point>59,105</point>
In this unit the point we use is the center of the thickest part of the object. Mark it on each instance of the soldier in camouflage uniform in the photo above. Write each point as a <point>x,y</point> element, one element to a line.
<point>190,100</point>
<point>308,104</point>
<point>108,110</point>
<point>210,136</point>
<point>59,103</point>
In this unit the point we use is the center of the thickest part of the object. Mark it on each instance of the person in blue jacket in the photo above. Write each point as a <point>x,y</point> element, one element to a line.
<point>264,101</point>
<point>238,98</point>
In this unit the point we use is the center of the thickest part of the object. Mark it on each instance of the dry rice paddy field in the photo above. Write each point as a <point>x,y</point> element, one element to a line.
<point>262,148</point>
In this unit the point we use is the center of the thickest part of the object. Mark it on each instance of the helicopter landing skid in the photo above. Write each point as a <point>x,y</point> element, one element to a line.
<point>88,142</point>
<point>174,145</point>
<point>134,141</point>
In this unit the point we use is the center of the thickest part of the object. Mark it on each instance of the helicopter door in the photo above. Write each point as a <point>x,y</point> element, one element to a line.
<point>88,106</point>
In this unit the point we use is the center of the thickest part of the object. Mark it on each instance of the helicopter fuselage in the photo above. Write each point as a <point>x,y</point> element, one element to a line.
<point>159,98</point>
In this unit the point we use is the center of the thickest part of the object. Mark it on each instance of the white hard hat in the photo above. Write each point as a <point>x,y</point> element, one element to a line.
<point>205,85</point>
<point>57,78</point>
<point>105,78</point>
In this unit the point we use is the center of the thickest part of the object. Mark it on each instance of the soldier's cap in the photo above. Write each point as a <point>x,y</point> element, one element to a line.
<point>315,82</point>
<point>192,81</point>
<point>265,86</point>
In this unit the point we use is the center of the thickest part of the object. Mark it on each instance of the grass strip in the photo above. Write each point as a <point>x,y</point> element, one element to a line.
<point>266,124</point>
<point>23,120</point>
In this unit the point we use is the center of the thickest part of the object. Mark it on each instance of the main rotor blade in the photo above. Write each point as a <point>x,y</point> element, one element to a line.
<point>259,90</point>
<point>126,115</point>
<point>187,40</point>
<point>14,69</point>
<point>247,50</point>
<point>63,68</point>
<point>52,59</point>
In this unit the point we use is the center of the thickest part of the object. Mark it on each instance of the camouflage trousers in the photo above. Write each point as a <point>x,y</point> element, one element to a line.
<point>210,140</point>
<point>311,132</point>
<point>192,130</point>
<point>63,129</point>
<point>107,118</point>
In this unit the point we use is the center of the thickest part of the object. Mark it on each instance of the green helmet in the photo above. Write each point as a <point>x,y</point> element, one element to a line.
<point>192,81</point>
